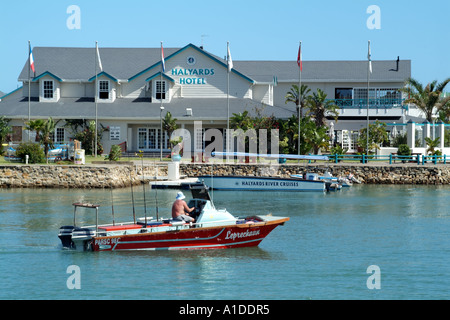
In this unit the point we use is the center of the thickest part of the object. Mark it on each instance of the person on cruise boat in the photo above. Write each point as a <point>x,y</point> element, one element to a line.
<point>180,210</point>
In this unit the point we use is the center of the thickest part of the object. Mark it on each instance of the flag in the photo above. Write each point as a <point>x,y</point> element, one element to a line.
<point>163,62</point>
<point>299,57</point>
<point>229,60</point>
<point>32,61</point>
<point>369,57</point>
<point>99,60</point>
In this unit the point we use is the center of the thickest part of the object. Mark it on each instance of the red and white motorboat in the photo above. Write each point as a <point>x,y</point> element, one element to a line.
<point>213,229</point>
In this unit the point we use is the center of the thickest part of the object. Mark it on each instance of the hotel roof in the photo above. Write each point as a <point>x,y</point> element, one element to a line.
<point>136,109</point>
<point>326,71</point>
<point>78,64</point>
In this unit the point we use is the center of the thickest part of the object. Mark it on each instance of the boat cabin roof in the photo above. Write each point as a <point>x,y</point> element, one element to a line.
<point>86,205</point>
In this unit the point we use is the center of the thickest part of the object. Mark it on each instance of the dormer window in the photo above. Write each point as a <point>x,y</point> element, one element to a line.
<point>103,92</point>
<point>160,90</point>
<point>48,88</point>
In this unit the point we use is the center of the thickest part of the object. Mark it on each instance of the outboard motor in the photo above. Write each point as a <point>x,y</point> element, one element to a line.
<point>65,235</point>
<point>75,237</point>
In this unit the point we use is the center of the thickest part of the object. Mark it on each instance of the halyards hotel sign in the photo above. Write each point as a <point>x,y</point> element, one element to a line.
<point>192,75</point>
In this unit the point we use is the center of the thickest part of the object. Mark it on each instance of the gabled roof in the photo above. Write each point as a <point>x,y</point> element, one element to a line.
<point>47,74</point>
<point>103,73</point>
<point>158,74</point>
<point>207,54</point>
<point>78,64</point>
<point>126,64</point>
<point>3,95</point>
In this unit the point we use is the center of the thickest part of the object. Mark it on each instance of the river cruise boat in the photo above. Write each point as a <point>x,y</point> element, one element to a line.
<point>249,183</point>
<point>213,229</point>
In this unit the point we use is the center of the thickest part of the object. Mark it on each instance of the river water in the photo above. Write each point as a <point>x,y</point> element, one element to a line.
<point>323,252</point>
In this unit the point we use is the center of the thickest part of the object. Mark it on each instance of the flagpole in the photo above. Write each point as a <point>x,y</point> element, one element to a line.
<point>369,67</point>
<point>96,103</point>
<point>161,97</point>
<point>29,87</point>
<point>228,96</point>
<point>299,92</point>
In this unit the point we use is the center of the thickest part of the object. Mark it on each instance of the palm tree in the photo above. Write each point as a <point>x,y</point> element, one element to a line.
<point>432,145</point>
<point>46,135</point>
<point>299,99</point>
<point>426,98</point>
<point>169,125</point>
<point>319,107</point>
<point>35,125</point>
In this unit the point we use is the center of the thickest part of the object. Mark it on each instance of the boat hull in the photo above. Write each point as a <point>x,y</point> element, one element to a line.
<point>223,237</point>
<point>262,183</point>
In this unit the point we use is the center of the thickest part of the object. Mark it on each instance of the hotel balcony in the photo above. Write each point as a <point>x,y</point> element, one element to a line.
<point>378,108</point>
<point>379,103</point>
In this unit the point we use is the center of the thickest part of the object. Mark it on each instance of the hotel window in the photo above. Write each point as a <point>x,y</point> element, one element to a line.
<point>160,90</point>
<point>48,89</point>
<point>103,92</point>
<point>58,136</point>
<point>344,93</point>
<point>343,96</point>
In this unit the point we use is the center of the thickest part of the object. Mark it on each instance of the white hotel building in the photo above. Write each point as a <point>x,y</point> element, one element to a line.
<point>131,89</point>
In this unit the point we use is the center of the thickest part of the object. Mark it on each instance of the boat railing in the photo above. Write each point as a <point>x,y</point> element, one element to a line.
<point>391,158</point>
<point>89,206</point>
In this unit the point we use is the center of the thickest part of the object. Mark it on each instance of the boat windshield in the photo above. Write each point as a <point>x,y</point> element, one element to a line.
<point>200,191</point>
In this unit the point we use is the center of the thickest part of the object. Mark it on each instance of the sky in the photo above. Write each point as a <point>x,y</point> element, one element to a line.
<point>256,29</point>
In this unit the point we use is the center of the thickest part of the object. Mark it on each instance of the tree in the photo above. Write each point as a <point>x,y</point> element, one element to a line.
<point>87,135</point>
<point>313,138</point>
<point>35,125</point>
<point>444,112</point>
<point>426,98</point>
<point>5,130</point>
<point>299,99</point>
<point>46,135</point>
<point>432,145</point>
<point>241,121</point>
<point>169,125</point>
<point>319,107</point>
<point>377,136</point>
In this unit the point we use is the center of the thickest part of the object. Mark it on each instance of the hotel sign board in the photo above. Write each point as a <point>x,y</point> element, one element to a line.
<point>191,75</point>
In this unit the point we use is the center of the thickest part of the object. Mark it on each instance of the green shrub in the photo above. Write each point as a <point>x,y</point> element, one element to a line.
<point>338,150</point>
<point>115,153</point>
<point>33,150</point>
<point>404,150</point>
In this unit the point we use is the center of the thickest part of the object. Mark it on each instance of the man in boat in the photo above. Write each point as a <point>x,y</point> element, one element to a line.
<point>180,210</point>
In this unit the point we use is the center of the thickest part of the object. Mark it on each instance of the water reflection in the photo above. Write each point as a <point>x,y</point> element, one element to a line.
<point>331,238</point>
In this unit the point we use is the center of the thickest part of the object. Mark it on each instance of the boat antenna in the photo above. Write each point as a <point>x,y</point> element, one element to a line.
<point>141,155</point>
<point>212,181</point>
<point>156,194</point>
<point>132,197</point>
<point>112,205</point>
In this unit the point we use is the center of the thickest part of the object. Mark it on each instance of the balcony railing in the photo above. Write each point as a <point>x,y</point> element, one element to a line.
<point>374,103</point>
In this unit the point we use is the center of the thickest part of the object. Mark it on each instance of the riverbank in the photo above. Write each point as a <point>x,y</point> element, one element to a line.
<point>123,175</point>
